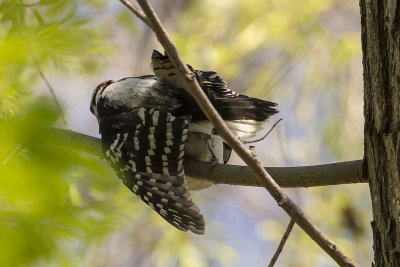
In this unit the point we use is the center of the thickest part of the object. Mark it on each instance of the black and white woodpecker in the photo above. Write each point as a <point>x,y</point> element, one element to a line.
<point>149,124</point>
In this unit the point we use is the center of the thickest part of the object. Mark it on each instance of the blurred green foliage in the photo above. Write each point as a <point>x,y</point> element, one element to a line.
<point>43,199</point>
<point>61,206</point>
<point>38,185</point>
<point>56,201</point>
<point>48,32</point>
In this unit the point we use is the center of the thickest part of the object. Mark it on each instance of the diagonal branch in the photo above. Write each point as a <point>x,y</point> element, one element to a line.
<point>135,10</point>
<point>262,176</point>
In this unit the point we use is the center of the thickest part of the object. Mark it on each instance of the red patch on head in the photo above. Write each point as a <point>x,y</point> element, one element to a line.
<point>103,83</point>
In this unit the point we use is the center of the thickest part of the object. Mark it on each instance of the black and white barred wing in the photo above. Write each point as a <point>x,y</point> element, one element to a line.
<point>214,83</point>
<point>146,149</point>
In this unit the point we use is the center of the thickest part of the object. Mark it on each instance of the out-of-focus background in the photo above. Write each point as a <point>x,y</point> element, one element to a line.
<point>62,207</point>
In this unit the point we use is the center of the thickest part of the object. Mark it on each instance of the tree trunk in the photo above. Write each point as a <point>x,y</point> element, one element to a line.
<point>380,22</point>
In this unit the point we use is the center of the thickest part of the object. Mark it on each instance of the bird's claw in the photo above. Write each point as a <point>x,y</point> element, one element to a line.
<point>213,164</point>
<point>214,159</point>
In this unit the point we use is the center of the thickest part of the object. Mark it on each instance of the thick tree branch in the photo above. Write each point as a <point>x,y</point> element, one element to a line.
<point>303,176</point>
<point>262,176</point>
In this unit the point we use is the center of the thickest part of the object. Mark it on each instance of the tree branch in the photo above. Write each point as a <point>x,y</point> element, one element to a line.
<point>282,243</point>
<point>135,10</point>
<point>51,89</point>
<point>348,172</point>
<point>262,176</point>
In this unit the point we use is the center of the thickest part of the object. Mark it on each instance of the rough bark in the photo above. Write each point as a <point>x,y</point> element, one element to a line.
<point>381,59</point>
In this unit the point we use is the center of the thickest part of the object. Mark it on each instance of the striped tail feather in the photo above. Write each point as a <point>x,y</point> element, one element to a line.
<point>244,115</point>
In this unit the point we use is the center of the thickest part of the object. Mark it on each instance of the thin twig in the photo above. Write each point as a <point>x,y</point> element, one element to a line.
<point>18,148</point>
<point>262,138</point>
<point>53,94</point>
<point>282,243</point>
<point>139,13</point>
<point>57,103</point>
<point>262,176</point>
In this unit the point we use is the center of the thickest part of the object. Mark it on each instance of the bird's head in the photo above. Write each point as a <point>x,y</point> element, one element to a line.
<point>96,94</point>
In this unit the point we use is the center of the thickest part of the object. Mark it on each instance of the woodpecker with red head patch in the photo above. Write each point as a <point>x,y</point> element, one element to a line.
<point>149,124</point>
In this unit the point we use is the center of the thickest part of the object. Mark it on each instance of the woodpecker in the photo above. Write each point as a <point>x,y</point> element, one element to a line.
<point>149,124</point>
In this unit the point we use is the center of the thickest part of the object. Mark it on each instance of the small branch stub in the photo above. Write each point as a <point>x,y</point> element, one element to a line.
<point>253,151</point>
<point>189,76</point>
